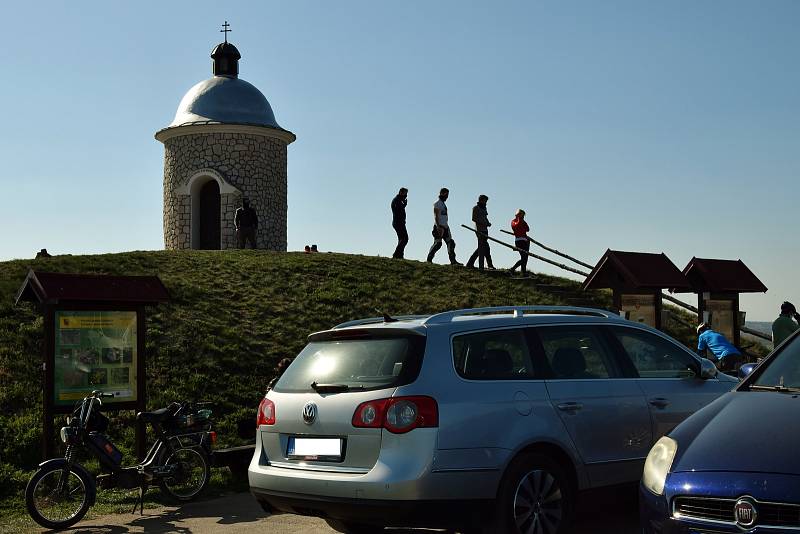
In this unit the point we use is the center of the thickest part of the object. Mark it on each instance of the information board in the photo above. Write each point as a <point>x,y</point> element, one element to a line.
<point>640,308</point>
<point>720,312</point>
<point>95,350</point>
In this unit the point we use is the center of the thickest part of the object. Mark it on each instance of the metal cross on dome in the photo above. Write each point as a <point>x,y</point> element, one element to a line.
<point>225,29</point>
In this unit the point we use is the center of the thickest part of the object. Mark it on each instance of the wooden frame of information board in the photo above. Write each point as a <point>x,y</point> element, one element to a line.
<point>52,407</point>
<point>653,299</point>
<point>731,331</point>
<point>101,304</point>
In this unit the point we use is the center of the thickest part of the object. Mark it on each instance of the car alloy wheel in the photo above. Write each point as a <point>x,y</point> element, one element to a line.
<point>536,496</point>
<point>538,503</point>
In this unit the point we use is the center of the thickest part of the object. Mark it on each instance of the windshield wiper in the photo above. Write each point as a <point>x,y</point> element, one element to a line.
<point>333,388</point>
<point>780,389</point>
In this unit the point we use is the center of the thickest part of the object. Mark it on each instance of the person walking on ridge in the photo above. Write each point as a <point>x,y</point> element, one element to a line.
<point>399,221</point>
<point>246,223</point>
<point>441,229</point>
<point>520,229</point>
<point>724,355</point>
<point>480,216</point>
<point>784,326</point>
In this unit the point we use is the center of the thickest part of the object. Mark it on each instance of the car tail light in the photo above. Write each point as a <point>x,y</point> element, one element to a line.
<point>266,413</point>
<point>397,414</point>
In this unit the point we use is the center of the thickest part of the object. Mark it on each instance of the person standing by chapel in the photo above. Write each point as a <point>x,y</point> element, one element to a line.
<point>784,326</point>
<point>480,216</point>
<point>246,223</point>
<point>399,222</point>
<point>520,229</point>
<point>441,229</point>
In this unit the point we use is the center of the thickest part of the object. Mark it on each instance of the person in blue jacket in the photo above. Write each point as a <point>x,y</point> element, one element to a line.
<point>723,353</point>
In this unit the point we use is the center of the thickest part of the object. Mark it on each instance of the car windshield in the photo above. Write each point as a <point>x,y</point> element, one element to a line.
<point>353,365</point>
<point>783,371</point>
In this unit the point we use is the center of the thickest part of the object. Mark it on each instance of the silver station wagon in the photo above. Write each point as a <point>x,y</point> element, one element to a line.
<point>489,419</point>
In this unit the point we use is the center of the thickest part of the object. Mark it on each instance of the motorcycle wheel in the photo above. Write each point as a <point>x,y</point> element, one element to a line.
<point>191,475</point>
<point>57,497</point>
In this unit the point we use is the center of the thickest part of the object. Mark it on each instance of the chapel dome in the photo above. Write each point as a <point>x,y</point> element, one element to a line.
<point>224,100</point>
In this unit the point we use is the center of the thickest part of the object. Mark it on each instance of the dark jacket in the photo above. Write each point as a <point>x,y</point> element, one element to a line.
<point>246,218</point>
<point>399,210</point>
<point>480,216</point>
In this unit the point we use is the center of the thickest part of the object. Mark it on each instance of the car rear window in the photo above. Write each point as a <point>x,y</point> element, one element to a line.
<point>493,355</point>
<point>361,364</point>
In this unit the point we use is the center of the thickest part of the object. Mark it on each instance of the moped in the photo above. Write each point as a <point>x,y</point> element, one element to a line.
<point>61,491</point>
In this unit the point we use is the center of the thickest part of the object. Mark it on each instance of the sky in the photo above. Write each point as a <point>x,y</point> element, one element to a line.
<point>643,126</point>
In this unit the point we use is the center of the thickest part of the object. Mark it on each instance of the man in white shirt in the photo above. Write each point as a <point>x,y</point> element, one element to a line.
<point>441,229</point>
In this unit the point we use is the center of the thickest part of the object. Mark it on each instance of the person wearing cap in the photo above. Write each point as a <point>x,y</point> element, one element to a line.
<point>724,355</point>
<point>520,229</point>
<point>480,216</point>
<point>784,326</point>
<point>246,223</point>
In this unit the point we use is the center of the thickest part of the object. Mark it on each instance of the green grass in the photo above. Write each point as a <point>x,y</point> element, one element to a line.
<point>231,317</point>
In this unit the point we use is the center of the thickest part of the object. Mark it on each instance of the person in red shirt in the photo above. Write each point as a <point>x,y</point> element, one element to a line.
<point>520,229</point>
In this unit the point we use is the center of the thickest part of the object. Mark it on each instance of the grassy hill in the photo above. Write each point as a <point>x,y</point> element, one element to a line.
<point>233,314</point>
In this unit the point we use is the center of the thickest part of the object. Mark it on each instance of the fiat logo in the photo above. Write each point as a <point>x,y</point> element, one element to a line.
<point>745,513</point>
<point>309,413</point>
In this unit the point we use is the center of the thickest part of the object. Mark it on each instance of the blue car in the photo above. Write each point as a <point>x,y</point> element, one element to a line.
<point>734,466</point>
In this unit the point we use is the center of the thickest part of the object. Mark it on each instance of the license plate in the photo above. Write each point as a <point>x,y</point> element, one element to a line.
<point>319,449</point>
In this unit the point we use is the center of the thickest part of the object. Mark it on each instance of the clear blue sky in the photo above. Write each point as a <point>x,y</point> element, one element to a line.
<point>669,126</point>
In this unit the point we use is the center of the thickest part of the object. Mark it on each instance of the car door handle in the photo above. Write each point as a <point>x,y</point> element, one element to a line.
<point>570,406</point>
<point>659,402</point>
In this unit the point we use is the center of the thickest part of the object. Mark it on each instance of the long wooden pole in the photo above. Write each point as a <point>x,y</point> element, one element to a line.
<point>554,251</point>
<point>531,254</point>
<point>756,333</point>
<point>579,262</point>
<point>670,298</point>
<point>679,302</point>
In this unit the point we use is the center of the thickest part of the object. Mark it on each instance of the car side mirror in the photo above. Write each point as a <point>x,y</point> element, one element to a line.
<point>746,369</point>
<point>707,369</point>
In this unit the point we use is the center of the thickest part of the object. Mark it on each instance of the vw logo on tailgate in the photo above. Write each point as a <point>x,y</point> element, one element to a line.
<point>745,513</point>
<point>309,413</point>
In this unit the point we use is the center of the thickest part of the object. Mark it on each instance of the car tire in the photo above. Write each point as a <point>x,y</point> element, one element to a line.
<point>535,491</point>
<point>348,527</point>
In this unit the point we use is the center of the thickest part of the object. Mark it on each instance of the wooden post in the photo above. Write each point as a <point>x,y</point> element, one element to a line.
<point>658,306</point>
<point>48,363</point>
<point>141,391</point>
<point>737,336</point>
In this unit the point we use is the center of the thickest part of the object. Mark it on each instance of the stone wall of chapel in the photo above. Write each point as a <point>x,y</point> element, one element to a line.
<point>253,164</point>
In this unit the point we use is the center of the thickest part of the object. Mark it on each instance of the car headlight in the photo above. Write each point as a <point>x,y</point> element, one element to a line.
<point>658,463</point>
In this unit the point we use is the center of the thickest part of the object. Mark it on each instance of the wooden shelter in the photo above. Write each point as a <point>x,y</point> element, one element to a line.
<point>636,279</point>
<point>94,338</point>
<point>718,284</point>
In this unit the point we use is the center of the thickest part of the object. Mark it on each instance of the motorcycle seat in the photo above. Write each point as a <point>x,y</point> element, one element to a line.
<point>156,416</point>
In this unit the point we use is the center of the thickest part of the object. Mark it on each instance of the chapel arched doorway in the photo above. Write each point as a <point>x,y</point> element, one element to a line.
<point>207,217</point>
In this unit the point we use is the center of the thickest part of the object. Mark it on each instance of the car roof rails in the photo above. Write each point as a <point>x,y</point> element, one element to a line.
<point>379,320</point>
<point>518,311</point>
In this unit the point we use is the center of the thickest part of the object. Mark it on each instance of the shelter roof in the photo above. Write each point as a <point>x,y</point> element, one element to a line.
<point>55,288</point>
<point>722,276</point>
<point>635,270</point>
